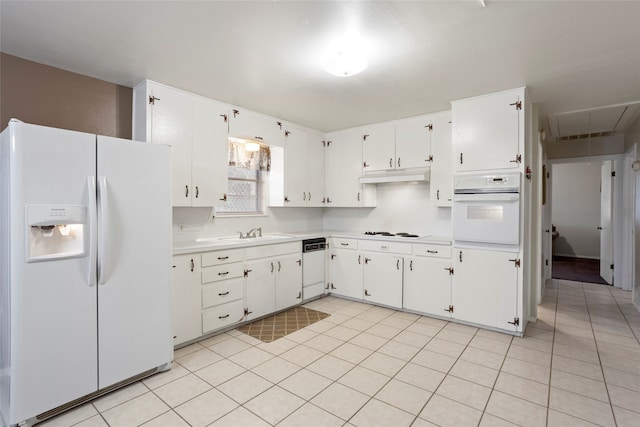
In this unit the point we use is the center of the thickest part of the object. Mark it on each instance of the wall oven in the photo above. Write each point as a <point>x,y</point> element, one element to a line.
<point>486,208</point>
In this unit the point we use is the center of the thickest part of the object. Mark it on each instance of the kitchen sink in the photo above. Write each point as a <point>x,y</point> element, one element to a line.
<point>245,239</point>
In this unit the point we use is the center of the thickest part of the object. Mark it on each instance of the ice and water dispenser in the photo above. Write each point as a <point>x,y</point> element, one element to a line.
<point>55,232</point>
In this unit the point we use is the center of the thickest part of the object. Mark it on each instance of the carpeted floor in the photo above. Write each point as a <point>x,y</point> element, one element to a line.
<point>577,269</point>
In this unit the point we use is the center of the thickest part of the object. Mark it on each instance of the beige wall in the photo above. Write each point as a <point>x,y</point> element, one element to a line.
<point>44,95</point>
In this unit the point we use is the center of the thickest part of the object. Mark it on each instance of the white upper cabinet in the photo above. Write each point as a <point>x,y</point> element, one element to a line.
<point>441,187</point>
<point>246,124</point>
<point>303,168</point>
<point>413,143</point>
<point>397,146</point>
<point>488,131</point>
<point>343,169</point>
<point>196,130</point>
<point>379,148</point>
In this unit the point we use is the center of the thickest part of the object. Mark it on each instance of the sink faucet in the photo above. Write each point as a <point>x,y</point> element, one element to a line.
<point>252,232</point>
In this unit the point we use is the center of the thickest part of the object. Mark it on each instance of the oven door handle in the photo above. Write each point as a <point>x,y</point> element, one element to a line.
<point>495,197</point>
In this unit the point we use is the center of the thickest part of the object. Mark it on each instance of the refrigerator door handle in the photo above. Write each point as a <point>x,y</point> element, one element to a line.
<point>93,229</point>
<point>104,234</point>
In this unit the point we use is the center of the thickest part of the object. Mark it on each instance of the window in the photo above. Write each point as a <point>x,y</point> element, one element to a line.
<point>248,167</point>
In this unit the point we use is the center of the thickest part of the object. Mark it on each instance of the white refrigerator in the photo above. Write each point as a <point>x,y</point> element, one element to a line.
<point>85,246</point>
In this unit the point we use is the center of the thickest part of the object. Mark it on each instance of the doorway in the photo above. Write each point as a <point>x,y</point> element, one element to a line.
<point>581,214</point>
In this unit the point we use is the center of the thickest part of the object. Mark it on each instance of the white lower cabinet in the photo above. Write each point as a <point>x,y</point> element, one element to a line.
<point>427,285</point>
<point>487,288</point>
<point>186,298</point>
<point>346,273</point>
<point>275,282</point>
<point>383,278</point>
<point>222,289</point>
<point>261,288</point>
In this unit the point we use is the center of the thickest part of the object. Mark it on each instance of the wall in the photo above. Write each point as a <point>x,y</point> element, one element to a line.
<point>401,207</point>
<point>576,208</point>
<point>43,95</point>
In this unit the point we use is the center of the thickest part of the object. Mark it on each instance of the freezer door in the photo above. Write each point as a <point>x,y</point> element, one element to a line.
<point>134,258</point>
<point>53,307</point>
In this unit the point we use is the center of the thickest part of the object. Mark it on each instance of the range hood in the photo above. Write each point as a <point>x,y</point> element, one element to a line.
<point>414,175</point>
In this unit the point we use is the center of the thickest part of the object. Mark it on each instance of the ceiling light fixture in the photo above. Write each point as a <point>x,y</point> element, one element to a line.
<point>345,64</point>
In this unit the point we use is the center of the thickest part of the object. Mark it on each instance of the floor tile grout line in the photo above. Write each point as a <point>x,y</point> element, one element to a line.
<point>553,343</point>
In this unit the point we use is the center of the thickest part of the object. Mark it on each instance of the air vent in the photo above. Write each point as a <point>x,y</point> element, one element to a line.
<point>586,135</point>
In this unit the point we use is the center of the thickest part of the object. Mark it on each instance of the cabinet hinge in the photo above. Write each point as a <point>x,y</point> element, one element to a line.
<point>153,99</point>
<point>430,158</point>
<point>365,165</point>
<point>224,117</point>
<point>246,273</point>
<point>518,159</point>
<point>612,266</point>
<point>518,105</point>
<point>429,127</point>
<point>279,125</point>
<point>326,143</point>
<point>449,309</point>
<point>516,262</point>
<point>235,113</point>
<point>364,137</point>
<point>516,321</point>
<point>613,173</point>
<point>287,133</point>
<point>450,270</point>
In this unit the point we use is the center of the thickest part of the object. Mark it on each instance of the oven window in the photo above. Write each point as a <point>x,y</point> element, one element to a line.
<point>485,213</point>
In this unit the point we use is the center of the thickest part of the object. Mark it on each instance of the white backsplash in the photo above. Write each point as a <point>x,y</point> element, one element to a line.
<point>194,223</point>
<point>401,207</point>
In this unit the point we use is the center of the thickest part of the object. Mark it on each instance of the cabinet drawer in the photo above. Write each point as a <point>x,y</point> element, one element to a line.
<point>222,272</point>
<point>339,243</point>
<point>222,315</point>
<point>438,251</point>
<point>221,292</point>
<point>392,247</point>
<point>273,250</point>
<point>221,257</point>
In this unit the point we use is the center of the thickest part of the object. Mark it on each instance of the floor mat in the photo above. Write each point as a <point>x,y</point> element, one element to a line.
<point>277,326</point>
<point>577,269</point>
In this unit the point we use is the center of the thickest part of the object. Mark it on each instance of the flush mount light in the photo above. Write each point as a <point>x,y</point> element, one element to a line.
<point>346,64</point>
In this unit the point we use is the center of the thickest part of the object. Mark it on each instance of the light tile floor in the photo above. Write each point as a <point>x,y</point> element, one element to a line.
<point>578,365</point>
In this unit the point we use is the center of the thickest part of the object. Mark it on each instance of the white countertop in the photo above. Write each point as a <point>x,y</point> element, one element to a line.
<point>230,242</point>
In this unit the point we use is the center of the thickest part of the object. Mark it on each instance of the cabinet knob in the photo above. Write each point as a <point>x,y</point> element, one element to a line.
<point>197,191</point>
<point>186,191</point>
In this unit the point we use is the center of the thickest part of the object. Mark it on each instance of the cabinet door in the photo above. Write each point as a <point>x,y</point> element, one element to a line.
<point>296,164</point>
<point>486,287</point>
<point>427,285</point>
<point>378,148</point>
<point>186,298</point>
<point>249,125</point>
<point>210,154</point>
<point>346,273</point>
<point>172,124</point>
<point>261,293</point>
<point>383,279</point>
<point>288,281</point>
<point>486,131</point>
<point>315,169</point>
<point>343,170</point>
<point>441,148</point>
<point>413,143</point>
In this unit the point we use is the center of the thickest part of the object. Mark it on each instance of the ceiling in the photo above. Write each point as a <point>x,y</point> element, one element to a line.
<point>268,56</point>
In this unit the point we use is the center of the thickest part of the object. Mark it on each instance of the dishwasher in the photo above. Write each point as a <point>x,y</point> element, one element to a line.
<point>313,257</point>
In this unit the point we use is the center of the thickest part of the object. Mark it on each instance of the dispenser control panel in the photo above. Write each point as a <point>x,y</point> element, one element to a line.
<point>55,232</point>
